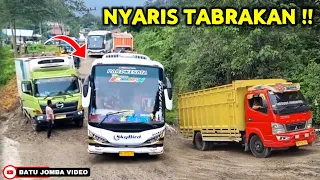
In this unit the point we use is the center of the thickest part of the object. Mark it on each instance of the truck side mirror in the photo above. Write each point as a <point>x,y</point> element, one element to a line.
<point>26,87</point>
<point>168,94</point>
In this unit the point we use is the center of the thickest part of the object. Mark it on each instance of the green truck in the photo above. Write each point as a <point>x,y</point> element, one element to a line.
<point>42,78</point>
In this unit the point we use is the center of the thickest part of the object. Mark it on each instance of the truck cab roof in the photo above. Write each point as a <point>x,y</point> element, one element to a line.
<point>48,66</point>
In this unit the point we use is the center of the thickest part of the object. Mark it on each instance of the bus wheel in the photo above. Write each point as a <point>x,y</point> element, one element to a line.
<point>200,144</point>
<point>258,149</point>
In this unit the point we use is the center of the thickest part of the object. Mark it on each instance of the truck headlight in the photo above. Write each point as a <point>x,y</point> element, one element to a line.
<point>309,124</point>
<point>277,128</point>
<point>40,118</point>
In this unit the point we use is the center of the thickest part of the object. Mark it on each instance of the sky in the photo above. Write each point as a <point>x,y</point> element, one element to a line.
<point>99,4</point>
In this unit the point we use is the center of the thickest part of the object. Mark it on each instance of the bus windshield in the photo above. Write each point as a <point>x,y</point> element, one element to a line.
<point>133,89</point>
<point>95,42</point>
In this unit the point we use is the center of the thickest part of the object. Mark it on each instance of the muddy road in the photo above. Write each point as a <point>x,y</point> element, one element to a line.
<point>68,148</point>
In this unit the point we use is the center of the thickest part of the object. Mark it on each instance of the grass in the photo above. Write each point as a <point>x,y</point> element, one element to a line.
<point>171,117</point>
<point>38,48</point>
<point>6,64</point>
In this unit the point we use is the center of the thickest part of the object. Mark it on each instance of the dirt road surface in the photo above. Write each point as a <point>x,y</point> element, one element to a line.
<point>68,148</point>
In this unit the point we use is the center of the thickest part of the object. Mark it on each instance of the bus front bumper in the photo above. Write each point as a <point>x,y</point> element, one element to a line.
<point>96,53</point>
<point>115,150</point>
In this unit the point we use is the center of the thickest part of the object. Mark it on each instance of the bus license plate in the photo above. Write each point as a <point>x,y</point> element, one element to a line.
<point>302,143</point>
<point>61,116</point>
<point>126,153</point>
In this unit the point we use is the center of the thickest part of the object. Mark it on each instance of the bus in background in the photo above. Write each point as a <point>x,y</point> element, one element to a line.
<point>126,95</point>
<point>99,43</point>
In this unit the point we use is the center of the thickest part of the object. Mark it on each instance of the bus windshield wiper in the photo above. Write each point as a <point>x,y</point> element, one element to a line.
<point>108,114</point>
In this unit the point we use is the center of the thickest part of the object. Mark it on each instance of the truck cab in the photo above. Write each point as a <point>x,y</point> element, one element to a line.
<point>278,117</point>
<point>42,78</point>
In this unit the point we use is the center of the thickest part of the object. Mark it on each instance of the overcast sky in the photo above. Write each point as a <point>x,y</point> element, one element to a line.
<point>99,4</point>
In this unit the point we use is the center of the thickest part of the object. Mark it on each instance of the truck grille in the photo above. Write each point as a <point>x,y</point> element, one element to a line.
<point>67,107</point>
<point>295,126</point>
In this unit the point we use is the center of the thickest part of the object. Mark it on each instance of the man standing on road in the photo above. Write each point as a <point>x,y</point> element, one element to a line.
<point>50,117</point>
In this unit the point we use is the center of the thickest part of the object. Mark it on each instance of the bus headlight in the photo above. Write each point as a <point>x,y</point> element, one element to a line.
<point>309,124</point>
<point>277,128</point>
<point>156,137</point>
<point>97,138</point>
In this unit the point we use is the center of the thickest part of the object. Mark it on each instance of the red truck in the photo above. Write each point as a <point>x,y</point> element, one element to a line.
<point>122,42</point>
<point>263,115</point>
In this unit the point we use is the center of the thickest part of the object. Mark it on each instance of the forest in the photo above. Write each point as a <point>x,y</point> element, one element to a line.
<point>208,56</point>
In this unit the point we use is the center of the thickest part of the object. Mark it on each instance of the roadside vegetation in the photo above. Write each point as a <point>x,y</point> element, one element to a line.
<point>203,57</point>
<point>32,15</point>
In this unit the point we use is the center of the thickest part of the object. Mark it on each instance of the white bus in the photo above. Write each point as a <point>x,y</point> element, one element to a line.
<point>126,96</point>
<point>99,43</point>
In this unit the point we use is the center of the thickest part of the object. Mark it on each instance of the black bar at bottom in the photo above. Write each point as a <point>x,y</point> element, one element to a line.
<point>45,172</point>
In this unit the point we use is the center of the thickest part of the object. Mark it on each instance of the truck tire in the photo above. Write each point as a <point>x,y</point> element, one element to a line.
<point>199,144</point>
<point>258,149</point>
<point>293,149</point>
<point>37,128</point>
<point>79,123</point>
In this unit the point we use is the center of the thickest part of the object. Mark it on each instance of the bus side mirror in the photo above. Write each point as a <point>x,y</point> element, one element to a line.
<point>168,94</point>
<point>86,93</point>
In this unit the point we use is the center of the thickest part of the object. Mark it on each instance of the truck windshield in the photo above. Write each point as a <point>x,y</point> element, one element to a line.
<point>95,42</point>
<point>133,89</point>
<point>56,86</point>
<point>288,102</point>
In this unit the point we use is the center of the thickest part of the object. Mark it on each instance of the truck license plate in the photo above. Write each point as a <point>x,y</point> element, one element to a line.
<point>126,153</point>
<point>61,116</point>
<point>302,143</point>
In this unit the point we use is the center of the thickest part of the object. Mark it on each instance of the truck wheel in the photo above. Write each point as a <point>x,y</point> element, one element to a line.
<point>293,149</point>
<point>200,144</point>
<point>37,128</point>
<point>258,149</point>
<point>79,123</point>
